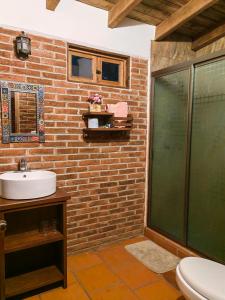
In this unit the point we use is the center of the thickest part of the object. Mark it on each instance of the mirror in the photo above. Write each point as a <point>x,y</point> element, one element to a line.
<point>22,112</point>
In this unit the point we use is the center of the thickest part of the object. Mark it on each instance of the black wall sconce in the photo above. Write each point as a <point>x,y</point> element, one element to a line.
<point>23,46</point>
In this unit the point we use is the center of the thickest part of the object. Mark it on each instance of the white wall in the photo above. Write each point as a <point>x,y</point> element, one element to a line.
<point>78,23</point>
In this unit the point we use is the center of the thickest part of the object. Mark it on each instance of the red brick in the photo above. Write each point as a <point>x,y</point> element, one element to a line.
<point>25,72</point>
<point>40,38</point>
<point>8,47</point>
<point>39,67</point>
<point>54,76</point>
<point>4,69</point>
<point>5,38</point>
<point>53,62</point>
<point>60,56</point>
<point>10,77</point>
<point>39,81</point>
<point>54,48</point>
<point>60,43</point>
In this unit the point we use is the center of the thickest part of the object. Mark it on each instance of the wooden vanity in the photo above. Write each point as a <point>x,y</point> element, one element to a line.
<point>32,244</point>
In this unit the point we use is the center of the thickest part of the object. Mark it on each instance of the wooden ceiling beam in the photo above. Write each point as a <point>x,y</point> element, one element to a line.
<point>121,10</point>
<point>181,16</point>
<point>103,4</point>
<point>52,4</point>
<point>136,14</point>
<point>209,37</point>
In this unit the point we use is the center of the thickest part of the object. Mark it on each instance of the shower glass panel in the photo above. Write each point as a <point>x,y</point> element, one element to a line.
<point>206,224</point>
<point>167,199</point>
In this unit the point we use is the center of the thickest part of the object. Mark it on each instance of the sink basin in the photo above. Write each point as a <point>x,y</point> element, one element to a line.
<point>27,185</point>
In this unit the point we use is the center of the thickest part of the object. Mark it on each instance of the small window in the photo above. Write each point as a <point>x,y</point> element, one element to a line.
<point>82,67</point>
<point>110,71</point>
<point>87,66</point>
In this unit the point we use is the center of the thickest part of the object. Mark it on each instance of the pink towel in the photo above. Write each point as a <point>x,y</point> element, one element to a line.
<point>120,109</point>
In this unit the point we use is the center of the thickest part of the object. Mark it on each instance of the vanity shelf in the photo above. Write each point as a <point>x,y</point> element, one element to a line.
<point>30,257</point>
<point>29,281</point>
<point>26,240</point>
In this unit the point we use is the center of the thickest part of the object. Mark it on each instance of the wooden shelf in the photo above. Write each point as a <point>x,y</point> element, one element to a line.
<point>29,239</point>
<point>29,259</point>
<point>100,114</point>
<point>107,118</point>
<point>106,129</point>
<point>29,281</point>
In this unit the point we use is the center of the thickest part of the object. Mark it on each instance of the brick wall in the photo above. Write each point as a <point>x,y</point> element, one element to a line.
<point>106,176</point>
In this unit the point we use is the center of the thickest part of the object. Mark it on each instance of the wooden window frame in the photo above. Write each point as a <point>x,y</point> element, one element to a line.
<point>98,58</point>
<point>122,81</point>
<point>85,55</point>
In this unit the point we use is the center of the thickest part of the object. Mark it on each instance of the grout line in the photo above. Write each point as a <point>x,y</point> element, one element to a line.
<point>81,285</point>
<point>122,281</point>
<point>118,281</point>
<point>96,290</point>
<point>111,269</point>
<point>170,284</point>
<point>86,268</point>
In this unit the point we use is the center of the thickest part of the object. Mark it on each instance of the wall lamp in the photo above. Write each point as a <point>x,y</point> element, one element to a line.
<point>23,46</point>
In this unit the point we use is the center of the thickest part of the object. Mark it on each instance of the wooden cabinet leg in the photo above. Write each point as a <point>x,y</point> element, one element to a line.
<point>2,258</point>
<point>64,245</point>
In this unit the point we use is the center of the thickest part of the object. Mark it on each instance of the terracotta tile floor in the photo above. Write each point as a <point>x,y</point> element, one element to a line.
<point>111,273</point>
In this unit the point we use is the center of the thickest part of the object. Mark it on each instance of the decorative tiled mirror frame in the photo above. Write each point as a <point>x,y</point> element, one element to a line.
<point>6,88</point>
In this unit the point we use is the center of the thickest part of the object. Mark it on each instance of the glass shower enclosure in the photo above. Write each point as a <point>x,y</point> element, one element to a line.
<point>187,165</point>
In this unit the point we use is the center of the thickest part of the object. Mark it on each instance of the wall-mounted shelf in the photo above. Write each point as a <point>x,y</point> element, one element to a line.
<point>107,129</point>
<point>97,114</point>
<point>117,124</point>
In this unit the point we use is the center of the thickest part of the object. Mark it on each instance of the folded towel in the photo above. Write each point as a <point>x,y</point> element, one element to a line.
<point>120,109</point>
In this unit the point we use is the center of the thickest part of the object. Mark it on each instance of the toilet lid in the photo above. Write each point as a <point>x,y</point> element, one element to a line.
<point>204,276</point>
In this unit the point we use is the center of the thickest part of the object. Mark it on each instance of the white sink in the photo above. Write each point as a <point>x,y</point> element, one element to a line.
<point>27,185</point>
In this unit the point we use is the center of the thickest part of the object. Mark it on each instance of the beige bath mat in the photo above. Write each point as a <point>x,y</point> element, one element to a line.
<point>153,256</point>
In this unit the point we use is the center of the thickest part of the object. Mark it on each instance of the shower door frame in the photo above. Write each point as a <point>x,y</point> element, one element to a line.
<point>190,66</point>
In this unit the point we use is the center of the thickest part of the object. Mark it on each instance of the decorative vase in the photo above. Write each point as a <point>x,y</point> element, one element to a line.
<point>95,107</point>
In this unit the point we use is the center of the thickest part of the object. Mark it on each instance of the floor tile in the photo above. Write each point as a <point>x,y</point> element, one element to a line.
<point>120,292</point>
<point>73,292</point>
<point>160,290</point>
<point>82,261</point>
<point>97,277</point>
<point>170,276</point>
<point>136,275</point>
<point>71,278</point>
<point>116,257</point>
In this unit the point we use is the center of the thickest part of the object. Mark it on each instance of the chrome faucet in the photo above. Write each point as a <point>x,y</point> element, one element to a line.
<point>23,167</point>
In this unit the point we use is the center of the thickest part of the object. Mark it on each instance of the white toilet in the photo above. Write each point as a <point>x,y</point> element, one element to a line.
<point>201,279</point>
